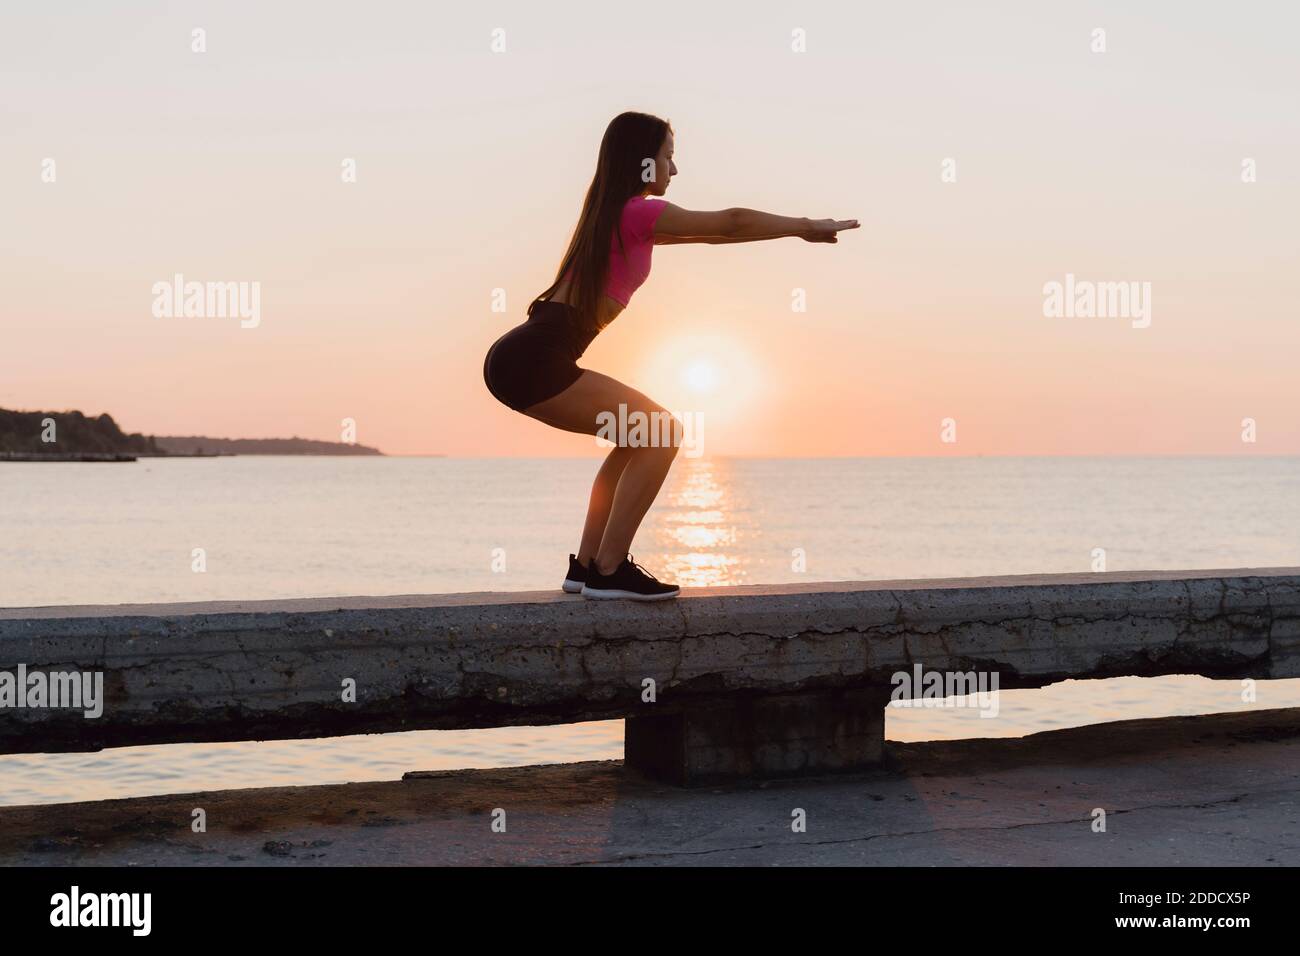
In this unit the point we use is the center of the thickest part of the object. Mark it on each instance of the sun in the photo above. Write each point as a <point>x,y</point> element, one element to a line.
<point>704,374</point>
<point>701,375</point>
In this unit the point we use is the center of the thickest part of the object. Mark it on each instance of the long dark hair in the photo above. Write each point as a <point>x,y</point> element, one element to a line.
<point>630,139</point>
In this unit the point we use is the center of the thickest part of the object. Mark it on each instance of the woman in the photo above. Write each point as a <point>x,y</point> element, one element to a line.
<point>532,368</point>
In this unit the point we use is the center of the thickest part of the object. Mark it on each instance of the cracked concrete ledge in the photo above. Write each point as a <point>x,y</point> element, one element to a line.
<point>275,669</point>
<point>1216,790</point>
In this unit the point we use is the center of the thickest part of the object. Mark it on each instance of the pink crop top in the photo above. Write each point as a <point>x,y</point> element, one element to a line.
<point>629,267</point>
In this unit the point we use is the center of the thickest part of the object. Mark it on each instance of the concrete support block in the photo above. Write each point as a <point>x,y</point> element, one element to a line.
<point>777,735</point>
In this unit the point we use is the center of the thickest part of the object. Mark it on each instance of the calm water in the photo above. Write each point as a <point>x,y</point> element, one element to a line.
<point>279,527</point>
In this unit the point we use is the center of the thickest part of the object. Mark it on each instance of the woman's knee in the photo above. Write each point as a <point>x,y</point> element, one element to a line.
<point>665,437</point>
<point>665,433</point>
<point>678,435</point>
<point>639,427</point>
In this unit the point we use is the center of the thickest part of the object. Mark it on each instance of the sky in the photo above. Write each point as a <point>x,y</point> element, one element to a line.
<point>376,296</point>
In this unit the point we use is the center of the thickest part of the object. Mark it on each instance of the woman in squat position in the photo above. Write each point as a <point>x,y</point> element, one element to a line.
<point>533,367</point>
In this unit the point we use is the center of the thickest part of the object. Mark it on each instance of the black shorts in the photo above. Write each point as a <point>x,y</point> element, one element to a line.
<point>538,359</point>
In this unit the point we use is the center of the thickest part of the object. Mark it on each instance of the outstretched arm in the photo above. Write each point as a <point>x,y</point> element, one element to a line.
<point>713,240</point>
<point>676,225</point>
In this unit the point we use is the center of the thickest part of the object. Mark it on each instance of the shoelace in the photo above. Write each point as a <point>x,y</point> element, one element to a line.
<point>642,570</point>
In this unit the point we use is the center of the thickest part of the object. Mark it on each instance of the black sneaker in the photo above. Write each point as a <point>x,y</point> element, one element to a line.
<point>629,580</point>
<point>576,577</point>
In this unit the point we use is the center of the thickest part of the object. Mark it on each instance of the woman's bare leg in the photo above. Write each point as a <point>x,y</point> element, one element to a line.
<point>576,410</point>
<point>635,494</point>
<point>602,499</point>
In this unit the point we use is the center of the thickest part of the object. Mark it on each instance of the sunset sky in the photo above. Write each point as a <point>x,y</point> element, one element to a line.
<point>471,166</point>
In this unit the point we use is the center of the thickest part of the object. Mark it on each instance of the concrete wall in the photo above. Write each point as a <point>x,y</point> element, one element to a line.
<point>269,670</point>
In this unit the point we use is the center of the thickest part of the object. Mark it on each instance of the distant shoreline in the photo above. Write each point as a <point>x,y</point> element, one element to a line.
<point>66,456</point>
<point>74,436</point>
<point>85,456</point>
<point>175,445</point>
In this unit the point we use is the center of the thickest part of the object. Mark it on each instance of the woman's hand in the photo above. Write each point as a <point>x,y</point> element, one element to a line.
<point>824,230</point>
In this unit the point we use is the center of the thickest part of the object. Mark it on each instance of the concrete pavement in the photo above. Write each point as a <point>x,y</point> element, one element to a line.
<point>1222,789</point>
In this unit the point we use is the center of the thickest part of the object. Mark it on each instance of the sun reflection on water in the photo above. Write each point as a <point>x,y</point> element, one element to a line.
<point>699,524</point>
